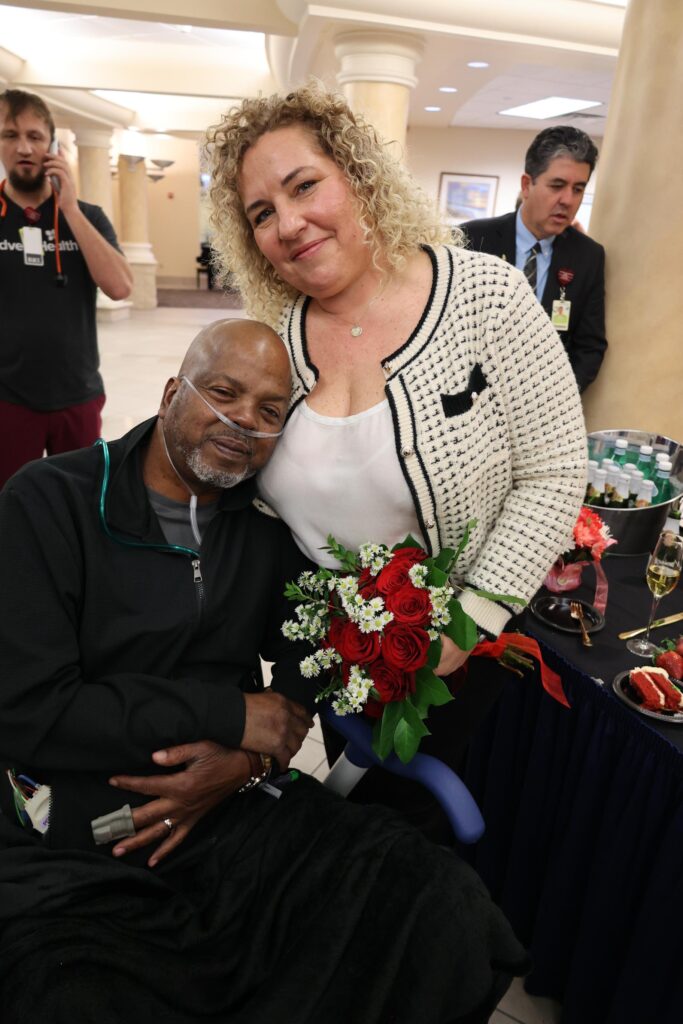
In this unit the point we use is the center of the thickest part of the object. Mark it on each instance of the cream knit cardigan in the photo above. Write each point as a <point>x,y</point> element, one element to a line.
<point>513,455</point>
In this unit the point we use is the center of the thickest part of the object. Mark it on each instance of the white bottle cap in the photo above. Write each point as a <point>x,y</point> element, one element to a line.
<point>664,466</point>
<point>661,457</point>
<point>646,449</point>
<point>621,443</point>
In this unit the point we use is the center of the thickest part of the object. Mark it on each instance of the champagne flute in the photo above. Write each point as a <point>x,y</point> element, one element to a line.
<point>662,574</point>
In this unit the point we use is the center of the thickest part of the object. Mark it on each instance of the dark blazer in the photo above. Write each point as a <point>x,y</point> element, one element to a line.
<point>585,340</point>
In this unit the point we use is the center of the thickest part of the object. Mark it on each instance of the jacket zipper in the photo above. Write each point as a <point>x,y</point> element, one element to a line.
<point>198,580</point>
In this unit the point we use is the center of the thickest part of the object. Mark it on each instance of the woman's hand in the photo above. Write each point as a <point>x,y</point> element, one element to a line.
<point>451,657</point>
<point>211,774</point>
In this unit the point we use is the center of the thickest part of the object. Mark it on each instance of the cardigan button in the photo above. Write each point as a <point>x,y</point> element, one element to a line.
<point>388,368</point>
<point>430,524</point>
<point>407,451</point>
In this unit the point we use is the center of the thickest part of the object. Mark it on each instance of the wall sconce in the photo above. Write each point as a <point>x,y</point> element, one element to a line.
<point>154,177</point>
<point>162,164</point>
<point>131,160</point>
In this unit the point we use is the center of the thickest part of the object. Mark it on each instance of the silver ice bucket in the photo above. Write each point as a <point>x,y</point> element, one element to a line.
<point>637,529</point>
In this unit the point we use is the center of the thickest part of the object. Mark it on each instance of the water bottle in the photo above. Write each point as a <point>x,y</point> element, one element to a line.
<point>645,461</point>
<point>662,482</point>
<point>613,475</point>
<point>620,451</point>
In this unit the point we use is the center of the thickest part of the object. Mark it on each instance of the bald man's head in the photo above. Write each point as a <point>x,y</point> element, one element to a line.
<point>241,368</point>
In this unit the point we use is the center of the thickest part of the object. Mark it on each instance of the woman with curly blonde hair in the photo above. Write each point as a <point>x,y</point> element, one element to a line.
<point>430,388</point>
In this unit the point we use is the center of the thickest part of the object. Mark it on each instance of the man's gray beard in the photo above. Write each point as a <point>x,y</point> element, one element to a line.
<point>27,185</point>
<point>208,475</point>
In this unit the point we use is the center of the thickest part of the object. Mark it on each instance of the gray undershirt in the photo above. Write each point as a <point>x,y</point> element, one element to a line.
<point>174,518</point>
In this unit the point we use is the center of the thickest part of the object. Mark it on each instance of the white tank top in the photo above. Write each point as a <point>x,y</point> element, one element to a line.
<point>339,475</point>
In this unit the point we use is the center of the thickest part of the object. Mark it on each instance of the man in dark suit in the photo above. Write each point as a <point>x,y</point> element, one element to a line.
<point>565,268</point>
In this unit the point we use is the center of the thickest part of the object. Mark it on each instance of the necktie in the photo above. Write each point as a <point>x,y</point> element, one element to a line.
<point>530,266</point>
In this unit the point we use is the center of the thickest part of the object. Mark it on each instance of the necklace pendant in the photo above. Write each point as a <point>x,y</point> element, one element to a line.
<point>356,331</point>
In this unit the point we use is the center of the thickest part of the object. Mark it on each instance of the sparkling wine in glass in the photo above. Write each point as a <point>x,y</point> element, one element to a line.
<point>662,574</point>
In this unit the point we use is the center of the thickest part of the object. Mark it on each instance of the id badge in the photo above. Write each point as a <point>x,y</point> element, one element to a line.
<point>560,315</point>
<point>32,240</point>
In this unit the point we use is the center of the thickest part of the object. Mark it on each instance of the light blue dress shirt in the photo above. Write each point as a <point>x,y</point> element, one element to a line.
<point>524,243</point>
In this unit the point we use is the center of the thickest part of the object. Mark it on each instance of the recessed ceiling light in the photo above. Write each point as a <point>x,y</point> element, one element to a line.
<point>433,110</point>
<point>477,64</point>
<point>447,88</point>
<point>551,106</point>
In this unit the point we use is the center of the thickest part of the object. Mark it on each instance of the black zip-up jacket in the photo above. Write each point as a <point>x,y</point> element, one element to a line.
<point>111,650</point>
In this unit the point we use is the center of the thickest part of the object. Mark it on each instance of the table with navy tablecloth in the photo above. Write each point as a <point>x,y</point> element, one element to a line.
<point>583,806</point>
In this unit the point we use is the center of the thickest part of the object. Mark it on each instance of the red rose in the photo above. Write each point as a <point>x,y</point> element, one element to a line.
<point>353,645</point>
<point>391,683</point>
<point>405,647</point>
<point>395,575</point>
<point>367,585</point>
<point>373,708</point>
<point>410,605</point>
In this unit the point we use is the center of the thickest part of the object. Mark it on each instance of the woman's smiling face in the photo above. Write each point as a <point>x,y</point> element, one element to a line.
<point>303,214</point>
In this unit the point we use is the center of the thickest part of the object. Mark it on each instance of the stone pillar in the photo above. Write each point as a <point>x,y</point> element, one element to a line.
<point>638,217</point>
<point>93,168</point>
<point>135,231</point>
<point>94,175</point>
<point>376,76</point>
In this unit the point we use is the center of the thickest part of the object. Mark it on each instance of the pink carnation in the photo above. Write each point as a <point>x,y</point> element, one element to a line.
<point>592,536</point>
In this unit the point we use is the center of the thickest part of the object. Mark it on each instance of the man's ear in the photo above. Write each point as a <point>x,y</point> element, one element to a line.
<point>525,184</point>
<point>170,389</point>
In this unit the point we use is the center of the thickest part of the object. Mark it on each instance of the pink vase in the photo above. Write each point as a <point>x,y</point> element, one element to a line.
<point>564,576</point>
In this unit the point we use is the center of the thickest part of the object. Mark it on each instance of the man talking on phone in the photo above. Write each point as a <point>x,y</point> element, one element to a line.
<point>55,251</point>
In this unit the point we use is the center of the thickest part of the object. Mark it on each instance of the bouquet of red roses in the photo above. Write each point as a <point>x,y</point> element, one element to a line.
<point>378,621</point>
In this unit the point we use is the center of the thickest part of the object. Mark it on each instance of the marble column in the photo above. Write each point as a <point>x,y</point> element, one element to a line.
<point>376,75</point>
<point>135,231</point>
<point>94,174</point>
<point>638,217</point>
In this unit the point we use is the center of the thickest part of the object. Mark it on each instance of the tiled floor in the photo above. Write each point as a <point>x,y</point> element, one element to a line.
<point>138,356</point>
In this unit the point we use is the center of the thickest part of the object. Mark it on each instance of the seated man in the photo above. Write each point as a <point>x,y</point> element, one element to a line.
<point>130,631</point>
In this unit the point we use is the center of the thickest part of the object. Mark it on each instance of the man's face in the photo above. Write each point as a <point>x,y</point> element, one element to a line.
<point>248,384</point>
<point>24,144</point>
<point>551,201</point>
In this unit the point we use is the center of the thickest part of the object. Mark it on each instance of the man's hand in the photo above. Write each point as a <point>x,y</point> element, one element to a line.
<point>452,657</point>
<point>274,725</point>
<point>211,774</point>
<point>56,165</point>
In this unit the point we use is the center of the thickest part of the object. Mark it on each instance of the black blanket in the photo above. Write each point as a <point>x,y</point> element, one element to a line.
<point>303,910</point>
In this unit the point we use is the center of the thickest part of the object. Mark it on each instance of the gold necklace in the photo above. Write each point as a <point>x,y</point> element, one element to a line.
<point>355,327</point>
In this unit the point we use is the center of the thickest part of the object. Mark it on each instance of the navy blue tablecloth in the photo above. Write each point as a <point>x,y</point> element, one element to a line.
<point>583,848</point>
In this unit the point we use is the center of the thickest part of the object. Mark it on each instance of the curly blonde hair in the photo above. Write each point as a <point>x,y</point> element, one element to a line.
<point>394,213</point>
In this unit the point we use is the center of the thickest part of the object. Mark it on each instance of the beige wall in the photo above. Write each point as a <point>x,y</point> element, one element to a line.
<point>174,209</point>
<point>471,151</point>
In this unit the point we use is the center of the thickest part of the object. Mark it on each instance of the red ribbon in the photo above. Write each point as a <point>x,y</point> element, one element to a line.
<point>552,683</point>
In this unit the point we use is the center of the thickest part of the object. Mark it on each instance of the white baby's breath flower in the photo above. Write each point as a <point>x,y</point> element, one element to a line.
<point>418,575</point>
<point>309,667</point>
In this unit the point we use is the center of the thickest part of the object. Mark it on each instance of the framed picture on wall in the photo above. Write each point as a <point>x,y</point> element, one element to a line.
<point>466,196</point>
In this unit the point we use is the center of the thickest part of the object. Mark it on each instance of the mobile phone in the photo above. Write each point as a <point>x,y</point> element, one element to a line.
<point>54,151</point>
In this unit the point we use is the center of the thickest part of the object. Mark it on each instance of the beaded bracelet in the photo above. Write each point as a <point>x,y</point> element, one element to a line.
<point>257,780</point>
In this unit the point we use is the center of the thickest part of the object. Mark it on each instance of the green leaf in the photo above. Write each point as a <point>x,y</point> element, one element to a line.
<point>409,542</point>
<point>509,598</point>
<point>347,559</point>
<point>462,629</point>
<point>383,734</point>
<point>465,538</point>
<point>409,732</point>
<point>436,577</point>
<point>429,690</point>
<point>444,559</point>
<point>433,654</point>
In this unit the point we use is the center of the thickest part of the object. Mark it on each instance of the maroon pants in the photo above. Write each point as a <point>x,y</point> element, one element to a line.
<point>26,434</point>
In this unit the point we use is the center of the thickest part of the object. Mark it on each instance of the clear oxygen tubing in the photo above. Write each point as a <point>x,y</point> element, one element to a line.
<point>103,518</point>
<point>224,419</point>
<point>193,497</point>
